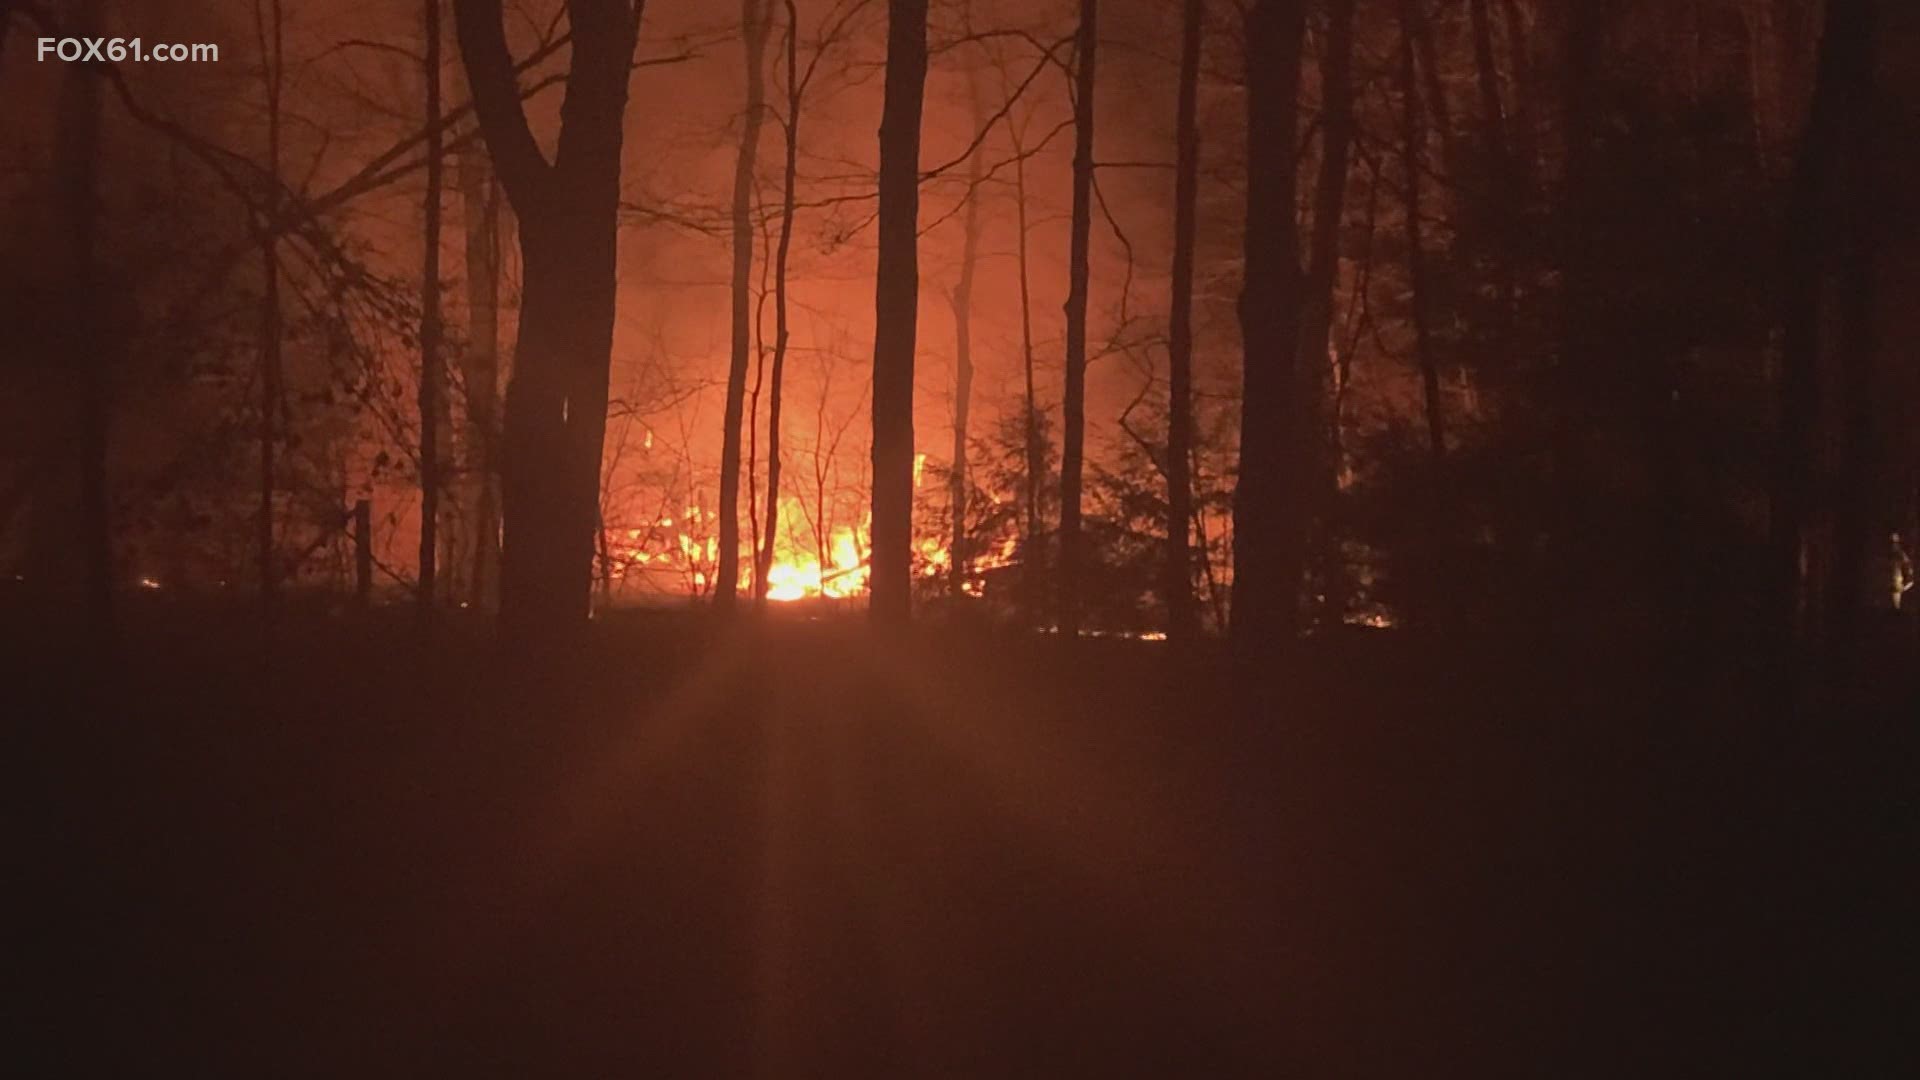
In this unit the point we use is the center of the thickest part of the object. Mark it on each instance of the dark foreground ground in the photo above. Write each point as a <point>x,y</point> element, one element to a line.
<point>804,851</point>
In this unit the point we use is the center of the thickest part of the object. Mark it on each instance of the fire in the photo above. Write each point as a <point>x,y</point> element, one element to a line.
<point>796,575</point>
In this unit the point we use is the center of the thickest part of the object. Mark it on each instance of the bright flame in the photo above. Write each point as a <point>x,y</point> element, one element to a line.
<point>798,575</point>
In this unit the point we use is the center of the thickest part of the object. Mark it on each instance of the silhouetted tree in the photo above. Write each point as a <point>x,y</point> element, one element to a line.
<point>567,210</point>
<point>432,365</point>
<point>961,300</point>
<point>896,299</point>
<point>755,24</point>
<point>269,29</point>
<point>480,368</point>
<point>1074,403</point>
<point>1181,624</point>
<point>1274,489</point>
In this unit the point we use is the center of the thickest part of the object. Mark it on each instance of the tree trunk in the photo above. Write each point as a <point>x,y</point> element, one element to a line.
<point>789,181</point>
<point>754,26</point>
<point>1487,77</point>
<point>962,302</point>
<point>1859,521</point>
<point>90,334</point>
<point>1032,550</point>
<point>1323,267</point>
<point>1428,57</point>
<point>1413,131</point>
<point>480,203</point>
<point>1182,625</point>
<point>1274,489</point>
<point>432,376</point>
<point>896,300</point>
<point>556,410</point>
<point>269,28</point>
<point>1526,143</point>
<point>1073,406</point>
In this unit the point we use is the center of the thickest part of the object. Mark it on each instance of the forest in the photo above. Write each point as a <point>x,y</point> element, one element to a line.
<point>962,537</point>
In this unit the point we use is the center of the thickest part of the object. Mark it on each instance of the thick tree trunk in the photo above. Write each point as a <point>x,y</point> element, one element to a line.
<point>1274,489</point>
<point>1859,519</point>
<point>962,301</point>
<point>432,373</point>
<point>896,300</point>
<point>754,25</point>
<point>556,411</point>
<point>1182,625</point>
<point>1073,406</point>
<point>788,184</point>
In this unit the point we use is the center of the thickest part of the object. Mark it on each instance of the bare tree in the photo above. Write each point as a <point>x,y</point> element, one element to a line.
<point>78,167</point>
<point>1182,624</point>
<point>1270,499</point>
<point>432,372</point>
<point>755,24</point>
<point>568,213</point>
<point>1073,407</point>
<point>269,29</point>
<point>895,311</point>
<point>480,365</point>
<point>1414,135</point>
<point>961,300</point>
<point>1323,266</point>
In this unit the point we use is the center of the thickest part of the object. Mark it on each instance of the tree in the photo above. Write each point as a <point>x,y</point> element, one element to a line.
<point>78,168</point>
<point>1181,623</point>
<point>1073,406</point>
<point>961,301</point>
<point>432,369</point>
<point>568,212</point>
<point>755,24</point>
<point>1273,492</point>
<point>269,28</point>
<point>1032,546</point>
<point>1323,266</point>
<point>896,300</point>
<point>480,365</point>
<point>1842,98</point>
<point>1414,134</point>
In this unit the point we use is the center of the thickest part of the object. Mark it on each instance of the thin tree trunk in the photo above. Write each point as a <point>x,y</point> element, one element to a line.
<point>1523,130</point>
<point>1487,77</point>
<point>896,299</point>
<point>1413,131</point>
<point>480,203</point>
<point>269,29</point>
<point>1032,555</point>
<point>1428,57</point>
<point>755,24</point>
<point>962,301</point>
<point>788,184</point>
<point>432,375</point>
<point>1073,407</point>
<point>92,331</point>
<point>1323,267</point>
<point>1274,488</point>
<point>1182,625</point>
<point>556,412</point>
